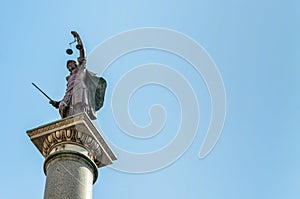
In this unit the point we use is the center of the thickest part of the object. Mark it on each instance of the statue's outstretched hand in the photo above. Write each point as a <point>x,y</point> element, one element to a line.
<point>54,103</point>
<point>75,34</point>
<point>79,45</point>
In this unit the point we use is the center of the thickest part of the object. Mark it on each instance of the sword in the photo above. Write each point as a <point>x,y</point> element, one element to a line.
<point>41,91</point>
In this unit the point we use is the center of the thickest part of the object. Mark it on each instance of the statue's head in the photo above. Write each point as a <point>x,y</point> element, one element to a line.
<point>71,65</point>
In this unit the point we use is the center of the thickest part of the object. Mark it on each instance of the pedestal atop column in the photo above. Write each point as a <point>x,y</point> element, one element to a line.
<point>75,133</point>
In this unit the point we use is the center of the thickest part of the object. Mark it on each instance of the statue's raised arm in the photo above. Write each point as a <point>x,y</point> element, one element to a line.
<point>79,46</point>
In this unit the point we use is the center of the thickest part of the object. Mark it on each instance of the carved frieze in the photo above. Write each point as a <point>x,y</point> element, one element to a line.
<point>72,136</point>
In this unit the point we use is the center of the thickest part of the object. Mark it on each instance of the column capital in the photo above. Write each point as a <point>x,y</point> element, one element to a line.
<point>72,133</point>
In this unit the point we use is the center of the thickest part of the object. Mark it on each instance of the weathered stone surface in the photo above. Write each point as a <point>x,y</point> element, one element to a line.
<point>69,176</point>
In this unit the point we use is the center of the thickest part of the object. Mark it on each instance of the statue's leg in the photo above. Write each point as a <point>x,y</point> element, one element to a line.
<point>79,108</point>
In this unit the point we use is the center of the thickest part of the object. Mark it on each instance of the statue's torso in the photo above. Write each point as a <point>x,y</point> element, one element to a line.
<point>76,91</point>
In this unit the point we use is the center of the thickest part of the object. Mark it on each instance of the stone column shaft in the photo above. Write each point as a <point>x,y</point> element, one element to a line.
<point>69,175</point>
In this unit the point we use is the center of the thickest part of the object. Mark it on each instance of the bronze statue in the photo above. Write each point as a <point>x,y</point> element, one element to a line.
<point>85,91</point>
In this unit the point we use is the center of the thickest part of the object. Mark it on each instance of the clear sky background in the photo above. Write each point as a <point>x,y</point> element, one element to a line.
<point>255,45</point>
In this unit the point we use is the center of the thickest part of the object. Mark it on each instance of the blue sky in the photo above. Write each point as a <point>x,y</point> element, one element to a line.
<point>255,46</point>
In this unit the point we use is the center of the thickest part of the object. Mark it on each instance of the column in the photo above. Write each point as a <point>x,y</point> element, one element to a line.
<point>74,150</point>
